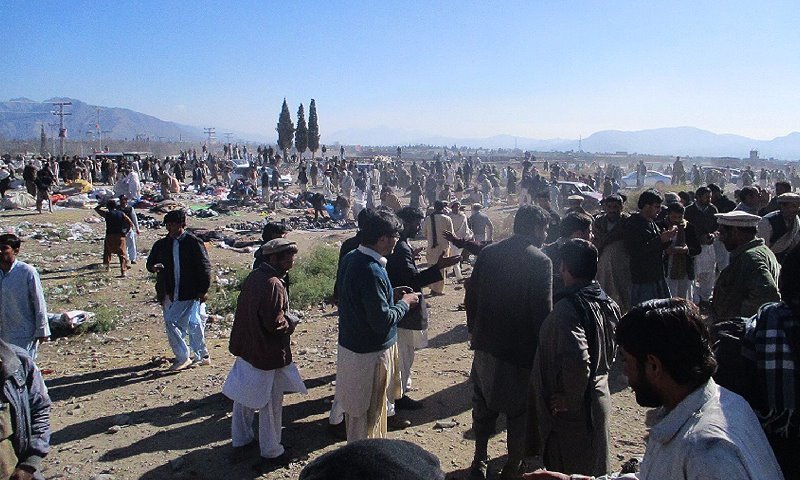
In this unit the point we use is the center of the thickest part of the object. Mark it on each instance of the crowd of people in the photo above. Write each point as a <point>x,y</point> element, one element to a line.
<point>548,309</point>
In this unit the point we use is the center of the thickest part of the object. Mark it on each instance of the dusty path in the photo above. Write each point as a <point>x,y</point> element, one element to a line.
<point>117,413</point>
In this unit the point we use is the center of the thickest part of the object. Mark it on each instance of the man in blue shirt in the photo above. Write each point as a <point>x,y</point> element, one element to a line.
<point>368,367</point>
<point>23,312</point>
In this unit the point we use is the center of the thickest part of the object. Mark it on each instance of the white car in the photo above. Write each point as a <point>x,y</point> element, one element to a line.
<point>651,179</point>
<point>241,170</point>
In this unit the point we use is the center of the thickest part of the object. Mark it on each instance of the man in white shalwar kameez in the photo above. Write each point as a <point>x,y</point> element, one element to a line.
<point>260,339</point>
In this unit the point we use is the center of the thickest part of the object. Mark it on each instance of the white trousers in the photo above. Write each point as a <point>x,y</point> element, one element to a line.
<point>270,419</point>
<point>681,288</point>
<point>130,244</point>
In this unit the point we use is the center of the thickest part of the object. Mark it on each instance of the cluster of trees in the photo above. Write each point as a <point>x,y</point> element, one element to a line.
<point>305,136</point>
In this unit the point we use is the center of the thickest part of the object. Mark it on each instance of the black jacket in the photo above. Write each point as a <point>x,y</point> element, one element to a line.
<point>643,241</point>
<point>403,272</point>
<point>195,268</point>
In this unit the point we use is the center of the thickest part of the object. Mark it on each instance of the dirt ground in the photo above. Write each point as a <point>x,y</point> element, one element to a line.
<point>118,414</point>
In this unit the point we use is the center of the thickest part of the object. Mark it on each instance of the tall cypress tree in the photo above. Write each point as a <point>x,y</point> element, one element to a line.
<point>313,129</point>
<point>285,130</point>
<point>301,134</point>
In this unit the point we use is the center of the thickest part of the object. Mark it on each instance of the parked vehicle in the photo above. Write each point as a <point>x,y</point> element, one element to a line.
<point>591,197</point>
<point>651,179</point>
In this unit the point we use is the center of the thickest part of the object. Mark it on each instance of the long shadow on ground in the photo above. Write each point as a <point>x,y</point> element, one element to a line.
<point>62,388</point>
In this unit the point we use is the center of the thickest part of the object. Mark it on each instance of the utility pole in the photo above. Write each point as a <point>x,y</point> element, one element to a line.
<point>212,135</point>
<point>62,132</point>
<point>228,136</point>
<point>97,129</point>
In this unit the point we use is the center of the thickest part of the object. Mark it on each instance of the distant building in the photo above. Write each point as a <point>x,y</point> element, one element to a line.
<point>753,155</point>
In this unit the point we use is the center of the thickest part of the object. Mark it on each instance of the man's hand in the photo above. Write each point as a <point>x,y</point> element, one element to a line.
<point>558,404</point>
<point>445,262</point>
<point>545,475</point>
<point>668,235</point>
<point>22,473</point>
<point>412,299</point>
<point>203,297</point>
<point>449,236</point>
<point>398,292</point>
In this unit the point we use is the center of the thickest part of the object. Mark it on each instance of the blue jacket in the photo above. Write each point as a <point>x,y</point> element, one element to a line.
<point>368,315</point>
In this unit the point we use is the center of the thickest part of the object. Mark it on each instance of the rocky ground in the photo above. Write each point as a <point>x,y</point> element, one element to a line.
<point>117,413</point>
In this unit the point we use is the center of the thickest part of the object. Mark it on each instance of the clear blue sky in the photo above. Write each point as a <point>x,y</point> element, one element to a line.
<point>536,68</point>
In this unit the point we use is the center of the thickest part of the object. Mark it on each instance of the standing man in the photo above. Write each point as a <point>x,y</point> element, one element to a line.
<point>480,224</point>
<point>403,272</point>
<point>260,339</point>
<point>781,229</point>
<point>681,252</point>
<point>133,232</point>
<point>702,431</point>
<point>44,181</point>
<point>613,265</point>
<point>368,364</point>
<point>509,297</point>
<point>574,225</point>
<point>25,416</point>
<point>117,227</point>
<point>702,216</point>
<point>183,276</point>
<point>543,200</point>
<point>570,398</point>
<point>460,230</point>
<point>23,311</point>
<point>435,225</point>
<point>751,278</point>
<point>645,243</point>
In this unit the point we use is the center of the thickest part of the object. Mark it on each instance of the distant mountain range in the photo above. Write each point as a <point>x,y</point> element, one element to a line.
<point>20,118</point>
<point>687,141</point>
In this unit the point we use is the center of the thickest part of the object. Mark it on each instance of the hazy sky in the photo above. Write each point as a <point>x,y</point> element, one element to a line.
<point>535,68</point>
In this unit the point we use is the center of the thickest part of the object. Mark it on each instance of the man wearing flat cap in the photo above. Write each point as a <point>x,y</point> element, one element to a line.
<point>781,229</point>
<point>751,278</point>
<point>260,339</point>
<point>183,277</point>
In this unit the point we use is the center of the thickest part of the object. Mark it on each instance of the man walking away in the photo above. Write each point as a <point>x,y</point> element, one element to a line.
<point>435,225</point>
<point>117,226</point>
<point>133,232</point>
<point>509,297</point>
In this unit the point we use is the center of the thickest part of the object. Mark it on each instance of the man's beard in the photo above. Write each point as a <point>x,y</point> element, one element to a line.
<point>646,395</point>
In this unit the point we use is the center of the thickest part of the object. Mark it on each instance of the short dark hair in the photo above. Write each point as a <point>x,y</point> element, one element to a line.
<point>530,218</point>
<point>175,216</point>
<point>574,222</point>
<point>676,208</point>
<point>408,214</point>
<point>11,240</point>
<point>649,197</point>
<point>672,330</point>
<point>273,230</point>
<point>783,184</point>
<point>543,194</point>
<point>714,187</point>
<point>702,191</point>
<point>579,257</point>
<point>377,224</point>
<point>439,205</point>
<point>748,192</point>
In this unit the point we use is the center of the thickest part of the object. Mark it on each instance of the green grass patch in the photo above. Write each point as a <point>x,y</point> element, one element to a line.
<point>311,282</point>
<point>313,276</point>
<point>104,321</point>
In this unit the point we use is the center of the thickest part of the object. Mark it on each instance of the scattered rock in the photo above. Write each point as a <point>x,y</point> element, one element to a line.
<point>443,424</point>
<point>113,429</point>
